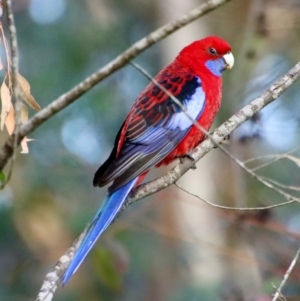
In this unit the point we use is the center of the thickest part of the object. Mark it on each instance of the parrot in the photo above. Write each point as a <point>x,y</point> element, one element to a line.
<point>157,131</point>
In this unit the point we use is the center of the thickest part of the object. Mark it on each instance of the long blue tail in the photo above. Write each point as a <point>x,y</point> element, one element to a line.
<point>107,212</point>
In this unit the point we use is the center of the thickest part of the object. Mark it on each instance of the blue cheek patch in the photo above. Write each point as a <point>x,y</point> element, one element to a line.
<point>216,67</point>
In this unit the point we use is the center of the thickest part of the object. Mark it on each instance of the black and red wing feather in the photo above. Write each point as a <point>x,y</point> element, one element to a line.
<point>150,131</point>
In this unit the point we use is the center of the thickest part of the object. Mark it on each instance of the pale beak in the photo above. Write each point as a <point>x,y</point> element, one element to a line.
<point>229,60</point>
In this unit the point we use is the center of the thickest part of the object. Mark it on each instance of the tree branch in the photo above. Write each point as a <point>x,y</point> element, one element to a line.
<point>286,276</point>
<point>235,208</point>
<point>120,61</point>
<point>52,278</point>
<point>14,55</point>
<point>15,85</point>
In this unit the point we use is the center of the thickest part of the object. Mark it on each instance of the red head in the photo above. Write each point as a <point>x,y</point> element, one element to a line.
<point>212,53</point>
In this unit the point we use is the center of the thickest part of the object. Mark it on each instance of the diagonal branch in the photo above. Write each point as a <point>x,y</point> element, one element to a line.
<point>120,61</point>
<point>278,293</point>
<point>14,60</point>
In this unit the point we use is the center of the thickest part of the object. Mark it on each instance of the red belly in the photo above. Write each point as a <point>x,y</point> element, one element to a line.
<point>188,143</point>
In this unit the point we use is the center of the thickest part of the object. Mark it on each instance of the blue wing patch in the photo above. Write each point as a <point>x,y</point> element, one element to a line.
<point>157,126</point>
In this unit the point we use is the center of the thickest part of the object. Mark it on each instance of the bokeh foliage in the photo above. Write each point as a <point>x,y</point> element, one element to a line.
<point>142,257</point>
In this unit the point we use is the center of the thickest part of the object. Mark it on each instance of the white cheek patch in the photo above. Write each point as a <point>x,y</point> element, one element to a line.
<point>194,107</point>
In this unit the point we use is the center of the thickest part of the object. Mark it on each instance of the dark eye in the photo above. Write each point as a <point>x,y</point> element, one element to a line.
<point>213,51</point>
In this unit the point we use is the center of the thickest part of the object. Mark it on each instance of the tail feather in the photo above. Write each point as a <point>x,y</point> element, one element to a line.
<point>107,212</point>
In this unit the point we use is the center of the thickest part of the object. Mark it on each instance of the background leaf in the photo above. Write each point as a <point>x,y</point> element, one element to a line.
<point>5,102</point>
<point>25,93</point>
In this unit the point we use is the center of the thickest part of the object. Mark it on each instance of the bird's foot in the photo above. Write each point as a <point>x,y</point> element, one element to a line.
<point>187,155</point>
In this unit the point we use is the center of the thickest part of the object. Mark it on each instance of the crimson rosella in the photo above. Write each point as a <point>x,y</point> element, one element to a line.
<point>156,130</point>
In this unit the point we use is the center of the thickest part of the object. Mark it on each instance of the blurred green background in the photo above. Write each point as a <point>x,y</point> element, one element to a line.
<point>171,246</point>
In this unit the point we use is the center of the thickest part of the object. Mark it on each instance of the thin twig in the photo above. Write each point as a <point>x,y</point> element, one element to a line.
<point>6,47</point>
<point>234,208</point>
<point>273,158</point>
<point>289,187</point>
<point>15,85</point>
<point>120,61</point>
<point>173,98</point>
<point>286,276</point>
